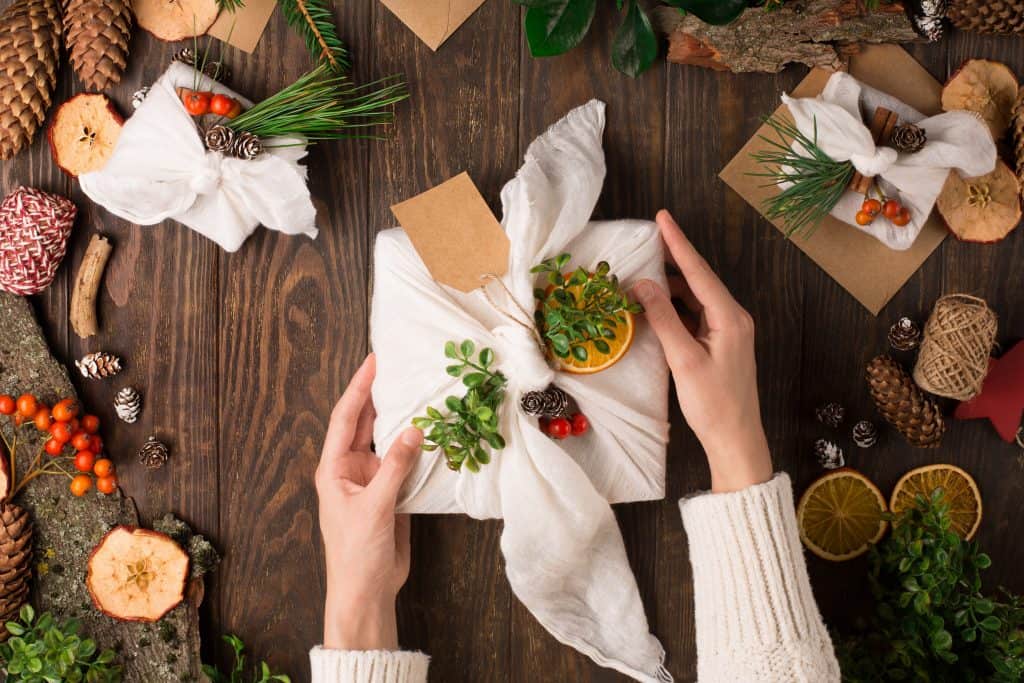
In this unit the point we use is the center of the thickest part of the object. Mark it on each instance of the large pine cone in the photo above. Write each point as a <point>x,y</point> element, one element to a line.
<point>15,562</point>
<point>29,56</point>
<point>1017,132</point>
<point>903,405</point>
<point>97,33</point>
<point>987,16</point>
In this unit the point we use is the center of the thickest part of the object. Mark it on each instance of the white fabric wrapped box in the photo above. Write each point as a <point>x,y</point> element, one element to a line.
<point>161,169</point>
<point>564,553</point>
<point>957,141</point>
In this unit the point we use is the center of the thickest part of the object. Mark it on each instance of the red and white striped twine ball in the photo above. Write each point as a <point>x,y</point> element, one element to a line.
<point>34,229</point>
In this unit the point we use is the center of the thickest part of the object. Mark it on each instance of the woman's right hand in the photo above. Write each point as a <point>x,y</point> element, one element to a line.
<point>712,362</point>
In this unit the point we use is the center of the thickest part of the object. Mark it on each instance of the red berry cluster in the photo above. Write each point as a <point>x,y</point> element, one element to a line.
<point>67,431</point>
<point>200,102</point>
<point>563,427</point>
<point>898,214</point>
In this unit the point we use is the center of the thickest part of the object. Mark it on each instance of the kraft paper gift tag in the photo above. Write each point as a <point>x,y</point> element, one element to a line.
<point>865,267</point>
<point>243,27</point>
<point>433,20</point>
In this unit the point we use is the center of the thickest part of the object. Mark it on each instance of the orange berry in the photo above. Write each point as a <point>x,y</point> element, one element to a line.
<point>96,444</point>
<point>872,206</point>
<point>81,484</point>
<point>864,218</point>
<point>81,441</point>
<point>902,219</point>
<point>54,447</point>
<point>61,432</point>
<point>27,405</point>
<point>7,405</point>
<point>84,460</point>
<point>891,209</point>
<point>65,410</point>
<point>42,419</point>
<point>91,424</point>
<point>107,484</point>
<point>103,467</point>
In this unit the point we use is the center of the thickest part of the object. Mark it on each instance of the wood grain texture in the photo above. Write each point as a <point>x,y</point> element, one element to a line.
<point>240,357</point>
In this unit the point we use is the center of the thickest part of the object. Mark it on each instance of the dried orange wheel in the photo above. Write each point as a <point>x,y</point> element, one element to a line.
<point>840,515</point>
<point>985,87</point>
<point>960,492</point>
<point>597,361</point>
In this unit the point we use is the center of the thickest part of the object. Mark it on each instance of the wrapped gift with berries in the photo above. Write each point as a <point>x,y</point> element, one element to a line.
<point>542,394</point>
<point>199,153</point>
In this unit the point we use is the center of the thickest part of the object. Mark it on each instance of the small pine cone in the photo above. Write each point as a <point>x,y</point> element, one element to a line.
<point>99,365</point>
<point>928,18</point>
<point>247,146</point>
<point>903,404</point>
<point>551,402</point>
<point>153,453</point>
<point>220,139</point>
<point>904,335</point>
<point>865,434</point>
<point>829,454</point>
<point>218,71</point>
<point>830,414</point>
<point>128,404</point>
<point>139,96</point>
<point>15,562</point>
<point>908,138</point>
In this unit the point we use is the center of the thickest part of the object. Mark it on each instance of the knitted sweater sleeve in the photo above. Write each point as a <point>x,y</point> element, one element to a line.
<point>755,614</point>
<point>375,666</point>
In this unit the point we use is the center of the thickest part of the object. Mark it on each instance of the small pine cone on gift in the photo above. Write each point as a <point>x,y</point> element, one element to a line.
<point>865,434</point>
<point>908,138</point>
<point>904,335</point>
<point>139,96</point>
<point>153,453</point>
<point>247,146</point>
<point>218,71</point>
<point>220,139</point>
<point>829,454</point>
<point>128,404</point>
<point>830,414</point>
<point>551,402</point>
<point>99,365</point>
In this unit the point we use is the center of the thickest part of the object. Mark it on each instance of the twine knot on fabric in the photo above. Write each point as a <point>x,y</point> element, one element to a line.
<point>958,340</point>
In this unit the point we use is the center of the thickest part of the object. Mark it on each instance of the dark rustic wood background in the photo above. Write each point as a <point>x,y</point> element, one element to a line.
<point>240,357</point>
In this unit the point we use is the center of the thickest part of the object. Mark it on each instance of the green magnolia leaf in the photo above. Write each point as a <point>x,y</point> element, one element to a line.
<point>557,26</point>
<point>635,46</point>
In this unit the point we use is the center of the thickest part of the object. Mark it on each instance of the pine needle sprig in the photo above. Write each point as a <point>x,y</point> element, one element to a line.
<point>322,105</point>
<point>314,21</point>
<point>814,181</point>
<point>230,6</point>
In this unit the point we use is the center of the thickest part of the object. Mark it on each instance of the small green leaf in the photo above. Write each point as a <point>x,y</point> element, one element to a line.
<point>602,346</point>
<point>991,623</point>
<point>486,357</point>
<point>580,353</point>
<point>453,403</point>
<point>449,350</point>
<point>454,370</point>
<point>942,640</point>
<point>467,348</point>
<point>474,379</point>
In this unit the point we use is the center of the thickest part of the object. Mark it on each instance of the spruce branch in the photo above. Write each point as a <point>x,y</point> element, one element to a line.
<point>313,20</point>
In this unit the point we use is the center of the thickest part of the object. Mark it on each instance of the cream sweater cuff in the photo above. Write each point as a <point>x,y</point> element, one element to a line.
<point>755,614</point>
<point>372,666</point>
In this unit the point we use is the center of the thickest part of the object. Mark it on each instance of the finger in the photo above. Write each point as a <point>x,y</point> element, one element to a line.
<point>345,416</point>
<point>709,291</point>
<point>397,464</point>
<point>363,439</point>
<point>676,340</point>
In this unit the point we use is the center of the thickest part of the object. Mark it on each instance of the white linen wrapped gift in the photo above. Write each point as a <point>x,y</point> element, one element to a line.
<point>161,169</point>
<point>956,140</point>
<point>564,553</point>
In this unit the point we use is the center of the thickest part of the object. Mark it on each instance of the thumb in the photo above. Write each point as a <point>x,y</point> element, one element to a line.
<point>661,315</point>
<point>397,463</point>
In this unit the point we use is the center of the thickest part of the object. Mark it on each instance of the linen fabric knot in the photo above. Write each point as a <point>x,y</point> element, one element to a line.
<point>34,230</point>
<point>563,551</point>
<point>161,169</point>
<point>957,141</point>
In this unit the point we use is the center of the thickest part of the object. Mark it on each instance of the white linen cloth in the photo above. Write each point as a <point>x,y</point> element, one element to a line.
<point>564,553</point>
<point>956,140</point>
<point>161,169</point>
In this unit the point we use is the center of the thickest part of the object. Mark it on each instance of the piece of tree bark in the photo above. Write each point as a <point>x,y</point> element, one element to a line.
<point>813,32</point>
<point>67,528</point>
<point>87,286</point>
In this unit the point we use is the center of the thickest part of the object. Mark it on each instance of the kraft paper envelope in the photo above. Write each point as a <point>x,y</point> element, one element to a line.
<point>865,267</point>
<point>433,20</point>
<point>243,27</point>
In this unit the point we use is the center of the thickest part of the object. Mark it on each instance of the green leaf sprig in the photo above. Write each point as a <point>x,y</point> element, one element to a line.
<point>931,621</point>
<point>471,425</point>
<point>314,21</point>
<point>262,673</point>
<point>815,181</point>
<point>570,320</point>
<point>44,651</point>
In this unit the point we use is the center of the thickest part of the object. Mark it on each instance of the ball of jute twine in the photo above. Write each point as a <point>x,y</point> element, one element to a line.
<point>958,340</point>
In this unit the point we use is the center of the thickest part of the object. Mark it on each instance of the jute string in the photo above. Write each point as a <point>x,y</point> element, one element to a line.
<point>958,340</point>
<point>529,326</point>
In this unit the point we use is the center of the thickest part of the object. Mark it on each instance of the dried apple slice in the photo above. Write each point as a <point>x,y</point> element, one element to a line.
<point>173,20</point>
<point>137,574</point>
<point>83,133</point>
<point>983,209</point>
<point>985,87</point>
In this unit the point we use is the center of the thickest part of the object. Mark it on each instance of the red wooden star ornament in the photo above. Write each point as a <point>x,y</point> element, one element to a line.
<point>1002,395</point>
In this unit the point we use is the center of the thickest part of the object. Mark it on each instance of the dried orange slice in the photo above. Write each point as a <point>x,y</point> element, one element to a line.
<point>597,361</point>
<point>960,492</point>
<point>841,515</point>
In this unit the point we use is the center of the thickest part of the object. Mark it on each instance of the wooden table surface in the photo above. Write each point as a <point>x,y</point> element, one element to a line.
<point>240,357</point>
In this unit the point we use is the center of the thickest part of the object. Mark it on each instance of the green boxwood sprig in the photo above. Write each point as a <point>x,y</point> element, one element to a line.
<point>471,425</point>
<point>44,651</point>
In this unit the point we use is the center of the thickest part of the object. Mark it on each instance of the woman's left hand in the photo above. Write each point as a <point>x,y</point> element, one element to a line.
<point>366,544</point>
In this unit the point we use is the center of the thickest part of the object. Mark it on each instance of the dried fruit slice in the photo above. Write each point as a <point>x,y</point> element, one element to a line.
<point>172,20</point>
<point>983,209</point>
<point>596,360</point>
<point>959,492</point>
<point>137,574</point>
<point>985,87</point>
<point>83,133</point>
<point>840,515</point>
